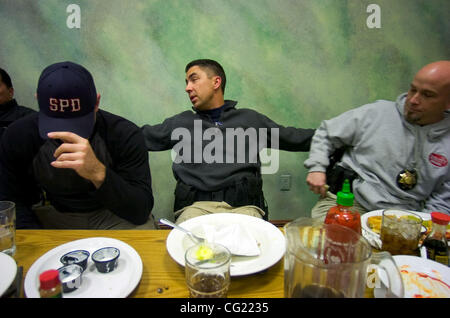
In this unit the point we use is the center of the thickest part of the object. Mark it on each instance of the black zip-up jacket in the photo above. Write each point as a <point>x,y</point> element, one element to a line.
<point>210,175</point>
<point>126,190</point>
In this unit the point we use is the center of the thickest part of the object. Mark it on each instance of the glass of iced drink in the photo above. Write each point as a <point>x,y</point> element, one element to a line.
<point>207,270</point>
<point>400,232</point>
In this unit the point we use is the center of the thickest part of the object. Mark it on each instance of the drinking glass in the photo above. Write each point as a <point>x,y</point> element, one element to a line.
<point>207,270</point>
<point>400,232</point>
<point>8,227</point>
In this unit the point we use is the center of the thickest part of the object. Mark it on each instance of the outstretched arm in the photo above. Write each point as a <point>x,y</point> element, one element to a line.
<point>289,138</point>
<point>158,137</point>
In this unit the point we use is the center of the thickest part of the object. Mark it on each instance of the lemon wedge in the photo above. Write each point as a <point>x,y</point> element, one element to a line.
<point>204,253</point>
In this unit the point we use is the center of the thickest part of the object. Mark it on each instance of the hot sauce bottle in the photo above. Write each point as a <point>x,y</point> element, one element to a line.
<point>344,213</point>
<point>50,285</point>
<point>436,242</point>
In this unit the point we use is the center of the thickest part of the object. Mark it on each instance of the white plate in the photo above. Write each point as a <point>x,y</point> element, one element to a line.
<point>373,237</point>
<point>8,270</point>
<point>116,284</point>
<point>270,239</point>
<point>431,278</point>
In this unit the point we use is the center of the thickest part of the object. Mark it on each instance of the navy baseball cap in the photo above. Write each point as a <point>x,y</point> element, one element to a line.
<point>67,97</point>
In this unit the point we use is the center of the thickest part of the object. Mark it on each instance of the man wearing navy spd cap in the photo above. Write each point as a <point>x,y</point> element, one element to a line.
<point>87,167</point>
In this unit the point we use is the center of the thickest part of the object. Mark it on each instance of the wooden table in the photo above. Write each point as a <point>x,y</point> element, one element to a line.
<point>161,276</point>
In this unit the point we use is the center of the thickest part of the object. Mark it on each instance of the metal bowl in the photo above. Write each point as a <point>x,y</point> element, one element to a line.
<point>79,257</point>
<point>105,259</point>
<point>70,277</point>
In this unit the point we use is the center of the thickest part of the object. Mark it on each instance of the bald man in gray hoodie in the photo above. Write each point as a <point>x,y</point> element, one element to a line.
<point>396,152</point>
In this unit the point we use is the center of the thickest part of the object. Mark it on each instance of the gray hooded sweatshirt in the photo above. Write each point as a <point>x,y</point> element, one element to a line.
<point>382,143</point>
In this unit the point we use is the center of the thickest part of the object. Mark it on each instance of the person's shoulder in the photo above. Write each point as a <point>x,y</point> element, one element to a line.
<point>113,121</point>
<point>118,132</point>
<point>184,114</point>
<point>24,111</point>
<point>379,103</point>
<point>23,132</point>
<point>182,118</point>
<point>380,106</point>
<point>243,111</point>
<point>252,116</point>
<point>25,124</point>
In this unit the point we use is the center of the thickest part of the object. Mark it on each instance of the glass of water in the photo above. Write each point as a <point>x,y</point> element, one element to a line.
<point>8,227</point>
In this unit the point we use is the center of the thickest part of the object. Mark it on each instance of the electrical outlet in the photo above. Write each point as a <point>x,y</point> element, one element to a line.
<point>285,182</point>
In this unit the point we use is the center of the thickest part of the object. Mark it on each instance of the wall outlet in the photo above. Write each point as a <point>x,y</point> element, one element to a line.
<point>285,182</point>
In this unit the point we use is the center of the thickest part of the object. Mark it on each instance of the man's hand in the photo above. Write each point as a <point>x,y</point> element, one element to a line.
<point>76,153</point>
<point>317,183</point>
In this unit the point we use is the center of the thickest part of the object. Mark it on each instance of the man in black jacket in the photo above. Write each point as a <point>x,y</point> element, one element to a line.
<point>9,109</point>
<point>89,167</point>
<point>217,147</point>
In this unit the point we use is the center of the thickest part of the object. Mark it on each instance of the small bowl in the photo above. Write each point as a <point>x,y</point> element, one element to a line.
<point>79,257</point>
<point>105,259</point>
<point>70,277</point>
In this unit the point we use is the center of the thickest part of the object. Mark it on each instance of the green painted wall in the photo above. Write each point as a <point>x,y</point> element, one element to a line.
<point>298,62</point>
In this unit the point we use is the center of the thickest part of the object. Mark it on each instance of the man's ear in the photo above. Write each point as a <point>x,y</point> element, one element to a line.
<point>97,103</point>
<point>11,92</point>
<point>217,82</point>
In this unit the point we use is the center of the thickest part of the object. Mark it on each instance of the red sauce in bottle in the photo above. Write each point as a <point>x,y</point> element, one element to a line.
<point>344,213</point>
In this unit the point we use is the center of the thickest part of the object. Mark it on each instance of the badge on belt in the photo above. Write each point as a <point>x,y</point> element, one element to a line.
<point>407,179</point>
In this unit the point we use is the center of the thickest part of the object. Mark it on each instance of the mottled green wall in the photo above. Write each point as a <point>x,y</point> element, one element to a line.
<point>296,61</point>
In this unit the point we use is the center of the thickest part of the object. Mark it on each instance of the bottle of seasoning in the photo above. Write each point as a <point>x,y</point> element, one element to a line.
<point>344,213</point>
<point>436,242</point>
<point>50,285</point>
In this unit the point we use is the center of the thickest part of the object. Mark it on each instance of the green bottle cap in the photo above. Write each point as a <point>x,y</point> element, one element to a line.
<point>345,197</point>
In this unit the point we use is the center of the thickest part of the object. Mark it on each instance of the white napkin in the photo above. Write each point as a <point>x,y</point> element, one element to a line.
<point>234,237</point>
<point>373,239</point>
